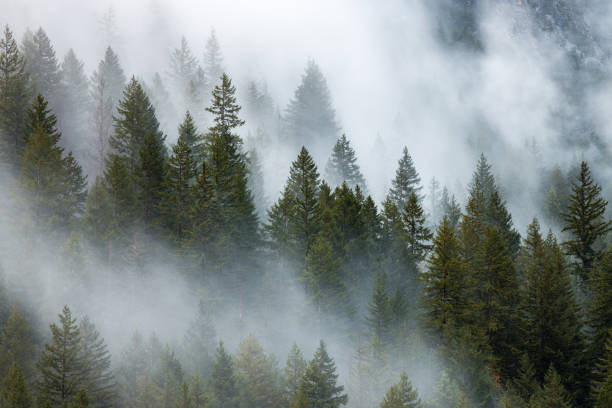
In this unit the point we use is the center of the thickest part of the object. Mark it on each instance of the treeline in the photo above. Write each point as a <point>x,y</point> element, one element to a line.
<point>514,321</point>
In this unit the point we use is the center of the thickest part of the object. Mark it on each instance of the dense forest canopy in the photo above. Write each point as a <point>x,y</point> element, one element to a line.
<point>400,206</point>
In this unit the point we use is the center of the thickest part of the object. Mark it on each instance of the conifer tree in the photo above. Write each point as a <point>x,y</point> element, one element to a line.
<point>406,181</point>
<point>150,173</point>
<point>135,120</point>
<point>256,183</point>
<point>310,117</point>
<point>14,392</point>
<point>81,399</point>
<point>552,394</point>
<point>200,339</point>
<point>602,388</point>
<point>213,60</point>
<point>319,386</point>
<point>483,180</point>
<point>97,377</point>
<point>278,229</point>
<point>192,138</point>
<point>42,66</point>
<point>401,395</point>
<point>303,183</point>
<point>17,344</point>
<point>61,365</point>
<point>222,380</point>
<point>416,233</point>
<point>75,103</point>
<point>379,310</point>
<point>183,67</point>
<point>14,96</point>
<point>450,208</point>
<point>445,294</point>
<point>525,383</point>
<point>342,165</point>
<point>294,371</point>
<point>600,312</point>
<point>584,219</point>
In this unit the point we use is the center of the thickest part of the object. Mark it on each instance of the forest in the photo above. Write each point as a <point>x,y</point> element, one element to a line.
<point>184,241</point>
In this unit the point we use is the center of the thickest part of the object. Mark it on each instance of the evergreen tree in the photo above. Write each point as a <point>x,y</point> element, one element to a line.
<point>401,395</point>
<point>552,394</point>
<point>192,138</point>
<point>61,365</point>
<point>257,376</point>
<point>602,388</point>
<point>600,313</point>
<point>14,96</point>
<point>150,173</point>
<point>379,310</point>
<point>97,377</point>
<point>256,183</point>
<point>107,84</point>
<point>213,60</point>
<point>450,208</point>
<point>277,230</point>
<point>303,183</point>
<point>55,182</point>
<point>81,399</point>
<point>14,392</point>
<point>416,233</point>
<point>584,219</point>
<point>499,217</point>
<point>294,371</point>
<point>319,387</point>
<point>310,118</point>
<point>222,380</point>
<point>135,120</point>
<point>75,103</point>
<point>406,181</point>
<point>17,344</point>
<point>200,339</point>
<point>483,180</point>
<point>342,165</point>
<point>525,383</point>
<point>183,67</point>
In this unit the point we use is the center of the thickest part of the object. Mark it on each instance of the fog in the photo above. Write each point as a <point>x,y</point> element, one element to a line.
<point>394,81</point>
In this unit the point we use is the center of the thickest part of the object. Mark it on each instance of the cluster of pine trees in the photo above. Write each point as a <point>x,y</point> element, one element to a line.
<point>513,320</point>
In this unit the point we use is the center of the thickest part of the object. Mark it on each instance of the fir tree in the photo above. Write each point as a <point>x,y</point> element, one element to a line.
<point>97,376</point>
<point>525,383</point>
<point>183,66</point>
<point>401,395</point>
<point>416,233</point>
<point>192,138</point>
<point>552,394</point>
<point>584,219</point>
<point>135,120</point>
<point>222,380</point>
<point>81,399</point>
<point>14,95</point>
<point>342,165</point>
<point>294,371</point>
<point>483,180</point>
<point>150,173</point>
<point>406,181</point>
<point>450,208</point>
<point>602,389</point>
<point>199,341</point>
<point>379,310</point>
<point>14,392</point>
<point>75,103</point>
<point>600,312</point>
<point>61,365</point>
<point>17,344</point>
<point>310,117</point>
<point>277,230</point>
<point>213,60</point>
<point>319,386</point>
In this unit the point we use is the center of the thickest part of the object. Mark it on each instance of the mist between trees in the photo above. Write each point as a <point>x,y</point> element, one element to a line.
<point>148,262</point>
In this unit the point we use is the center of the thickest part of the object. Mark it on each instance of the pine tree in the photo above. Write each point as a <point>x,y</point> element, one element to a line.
<point>55,182</point>
<point>97,376</point>
<point>401,395</point>
<point>342,165</point>
<point>81,399</point>
<point>600,312</point>
<point>525,383</point>
<point>150,173</point>
<point>14,392</point>
<point>406,181</point>
<point>60,365</point>
<point>213,60</point>
<point>278,229</point>
<point>257,376</point>
<point>294,371</point>
<point>17,344</point>
<point>483,179</point>
<point>192,138</point>
<point>379,311</point>
<point>445,294</point>
<point>107,84</point>
<point>310,118</point>
<point>183,66</point>
<point>75,102</point>
<point>584,219</point>
<point>134,121</point>
<point>602,389</point>
<point>222,380</point>
<point>552,394</point>
<point>14,96</point>
<point>199,341</point>
<point>450,208</point>
<point>319,387</point>
<point>303,183</point>
<point>416,233</point>
<point>499,217</point>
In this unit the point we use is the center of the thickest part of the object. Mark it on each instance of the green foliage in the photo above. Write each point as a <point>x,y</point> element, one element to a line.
<point>294,371</point>
<point>552,394</point>
<point>14,391</point>
<point>81,399</point>
<point>17,344</point>
<point>213,60</point>
<point>200,340</point>
<point>380,317</point>
<point>417,234</point>
<point>584,219</point>
<point>401,395</point>
<point>42,66</point>
<point>222,381</point>
<point>150,173</point>
<point>600,313</point>
<point>406,181</point>
<point>278,229</point>
<point>342,166</point>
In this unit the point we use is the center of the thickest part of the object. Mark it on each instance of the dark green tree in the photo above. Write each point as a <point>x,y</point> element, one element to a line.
<point>222,381</point>
<point>401,395</point>
<point>17,344</point>
<point>552,394</point>
<point>81,399</point>
<point>278,228</point>
<point>379,317</point>
<point>585,221</point>
<point>417,235</point>
<point>294,371</point>
<point>600,311</point>
<point>342,165</point>
<point>14,392</point>
<point>150,174</point>
<point>61,365</point>
<point>406,181</point>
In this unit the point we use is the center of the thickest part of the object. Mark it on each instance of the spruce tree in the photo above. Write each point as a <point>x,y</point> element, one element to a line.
<point>183,66</point>
<point>342,165</point>
<point>450,208</point>
<point>401,395</point>
<point>97,377</point>
<point>213,60</point>
<point>586,223</point>
<point>150,173</point>
<point>417,235</point>
<point>134,121</point>
<point>222,380</point>
<point>256,183</point>
<point>600,311</point>
<point>552,394</point>
<point>192,138</point>
<point>60,366</point>
<point>406,181</point>
<point>75,102</point>
<point>17,344</point>
<point>310,117</point>
<point>14,96</point>
<point>483,179</point>
<point>602,388</point>
<point>379,317</point>
<point>525,383</point>
<point>199,341</point>
<point>319,387</point>
<point>294,371</point>
<point>14,392</point>
<point>278,229</point>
